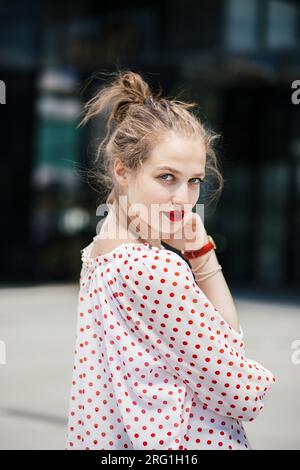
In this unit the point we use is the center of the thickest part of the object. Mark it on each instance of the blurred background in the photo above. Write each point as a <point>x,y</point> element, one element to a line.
<point>237,59</point>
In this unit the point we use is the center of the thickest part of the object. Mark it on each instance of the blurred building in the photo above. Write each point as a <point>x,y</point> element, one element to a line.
<point>236,58</point>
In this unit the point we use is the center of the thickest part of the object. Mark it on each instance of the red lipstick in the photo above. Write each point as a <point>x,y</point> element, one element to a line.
<point>175,216</point>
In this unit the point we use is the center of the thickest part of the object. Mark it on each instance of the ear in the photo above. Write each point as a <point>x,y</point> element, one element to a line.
<point>121,173</point>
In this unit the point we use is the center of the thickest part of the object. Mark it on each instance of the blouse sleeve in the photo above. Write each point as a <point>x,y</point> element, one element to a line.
<point>157,296</point>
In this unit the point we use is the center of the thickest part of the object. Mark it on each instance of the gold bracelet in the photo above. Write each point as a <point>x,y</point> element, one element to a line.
<point>195,268</point>
<point>201,276</point>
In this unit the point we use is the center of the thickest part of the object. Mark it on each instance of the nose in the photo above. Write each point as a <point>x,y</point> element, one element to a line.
<point>181,196</point>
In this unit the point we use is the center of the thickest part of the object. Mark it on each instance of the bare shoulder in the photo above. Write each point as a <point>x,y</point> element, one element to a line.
<point>102,247</point>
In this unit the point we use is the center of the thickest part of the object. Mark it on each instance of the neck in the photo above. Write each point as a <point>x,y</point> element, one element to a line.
<point>132,229</point>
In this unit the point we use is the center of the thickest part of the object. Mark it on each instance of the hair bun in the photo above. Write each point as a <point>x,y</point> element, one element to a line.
<point>125,89</point>
<point>133,90</point>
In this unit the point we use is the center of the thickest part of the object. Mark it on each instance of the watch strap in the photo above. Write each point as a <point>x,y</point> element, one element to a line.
<point>191,254</point>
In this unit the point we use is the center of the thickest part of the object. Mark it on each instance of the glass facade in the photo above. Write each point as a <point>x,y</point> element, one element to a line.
<point>237,59</point>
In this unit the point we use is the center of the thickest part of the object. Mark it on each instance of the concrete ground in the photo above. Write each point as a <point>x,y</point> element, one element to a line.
<point>37,325</point>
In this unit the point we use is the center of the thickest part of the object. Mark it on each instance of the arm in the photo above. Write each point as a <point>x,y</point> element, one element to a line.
<point>216,288</point>
<point>157,297</point>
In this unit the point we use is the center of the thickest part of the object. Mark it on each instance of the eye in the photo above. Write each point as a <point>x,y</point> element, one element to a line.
<point>199,180</point>
<point>167,174</point>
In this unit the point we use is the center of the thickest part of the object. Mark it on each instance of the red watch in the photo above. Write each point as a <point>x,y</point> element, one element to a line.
<point>191,254</point>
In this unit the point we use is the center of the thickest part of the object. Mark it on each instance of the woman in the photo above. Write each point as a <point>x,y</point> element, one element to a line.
<point>160,360</point>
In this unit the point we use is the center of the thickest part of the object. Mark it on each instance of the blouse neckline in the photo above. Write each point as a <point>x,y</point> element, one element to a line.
<point>88,260</point>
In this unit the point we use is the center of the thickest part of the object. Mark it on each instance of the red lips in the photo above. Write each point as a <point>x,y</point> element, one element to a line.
<point>175,216</point>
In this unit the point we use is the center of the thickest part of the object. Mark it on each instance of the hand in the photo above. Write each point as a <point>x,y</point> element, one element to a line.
<point>191,234</point>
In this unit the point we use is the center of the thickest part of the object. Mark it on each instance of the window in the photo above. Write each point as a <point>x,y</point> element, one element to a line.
<point>241,25</point>
<point>282,24</point>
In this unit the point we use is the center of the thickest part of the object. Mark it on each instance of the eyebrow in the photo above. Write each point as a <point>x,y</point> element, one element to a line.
<point>176,171</point>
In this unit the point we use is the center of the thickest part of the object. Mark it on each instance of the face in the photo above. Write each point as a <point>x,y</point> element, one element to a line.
<point>169,180</point>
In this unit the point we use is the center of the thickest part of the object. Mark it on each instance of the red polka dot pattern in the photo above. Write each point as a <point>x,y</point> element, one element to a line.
<point>156,365</point>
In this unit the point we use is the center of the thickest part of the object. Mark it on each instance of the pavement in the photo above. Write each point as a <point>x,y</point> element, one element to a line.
<point>37,328</point>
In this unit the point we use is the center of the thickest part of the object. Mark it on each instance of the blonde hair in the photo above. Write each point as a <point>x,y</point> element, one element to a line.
<point>137,118</point>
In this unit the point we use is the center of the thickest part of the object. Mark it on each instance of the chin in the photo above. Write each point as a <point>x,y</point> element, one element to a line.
<point>169,233</point>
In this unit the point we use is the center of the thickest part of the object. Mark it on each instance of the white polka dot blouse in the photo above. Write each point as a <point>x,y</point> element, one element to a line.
<point>156,365</point>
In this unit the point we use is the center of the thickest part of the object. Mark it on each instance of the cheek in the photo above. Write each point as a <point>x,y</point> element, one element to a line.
<point>195,196</point>
<point>154,192</point>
